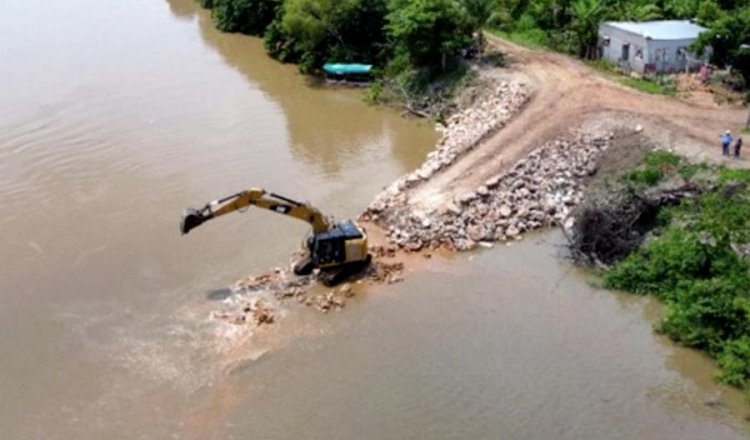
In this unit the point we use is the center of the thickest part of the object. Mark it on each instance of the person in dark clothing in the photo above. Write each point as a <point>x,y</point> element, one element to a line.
<point>737,148</point>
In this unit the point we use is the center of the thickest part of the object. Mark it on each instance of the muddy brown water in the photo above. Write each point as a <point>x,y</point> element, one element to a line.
<point>114,116</point>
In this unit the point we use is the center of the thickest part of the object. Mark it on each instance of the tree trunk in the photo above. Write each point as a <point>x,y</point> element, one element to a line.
<point>747,124</point>
<point>481,48</point>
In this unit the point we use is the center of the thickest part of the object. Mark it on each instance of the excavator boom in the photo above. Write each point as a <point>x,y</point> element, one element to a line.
<point>192,218</point>
<point>337,250</point>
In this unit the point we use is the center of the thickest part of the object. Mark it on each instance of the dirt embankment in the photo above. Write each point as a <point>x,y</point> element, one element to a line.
<point>538,191</point>
<point>528,170</point>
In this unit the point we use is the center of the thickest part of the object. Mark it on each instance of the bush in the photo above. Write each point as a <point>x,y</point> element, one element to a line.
<point>661,158</point>
<point>648,176</point>
<point>734,361</point>
<point>664,263</point>
<point>658,164</point>
<point>695,266</point>
<point>708,313</point>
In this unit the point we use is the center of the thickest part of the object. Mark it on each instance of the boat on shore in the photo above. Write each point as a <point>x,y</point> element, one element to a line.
<point>348,73</point>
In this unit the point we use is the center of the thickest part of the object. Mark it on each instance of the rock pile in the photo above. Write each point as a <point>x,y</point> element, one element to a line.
<point>537,191</point>
<point>464,130</point>
<point>255,300</point>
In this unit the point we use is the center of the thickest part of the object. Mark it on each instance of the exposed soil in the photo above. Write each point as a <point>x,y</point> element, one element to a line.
<point>566,93</point>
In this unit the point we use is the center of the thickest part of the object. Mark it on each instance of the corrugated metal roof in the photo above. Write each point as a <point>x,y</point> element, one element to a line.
<point>661,30</point>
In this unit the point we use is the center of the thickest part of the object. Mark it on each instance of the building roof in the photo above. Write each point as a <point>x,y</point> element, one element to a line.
<point>661,30</point>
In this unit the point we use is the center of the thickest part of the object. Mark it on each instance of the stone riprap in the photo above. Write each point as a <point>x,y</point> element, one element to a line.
<point>538,191</point>
<point>495,104</point>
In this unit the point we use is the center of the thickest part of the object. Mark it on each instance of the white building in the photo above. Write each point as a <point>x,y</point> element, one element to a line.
<point>650,47</point>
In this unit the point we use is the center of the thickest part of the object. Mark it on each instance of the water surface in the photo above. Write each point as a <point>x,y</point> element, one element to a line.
<point>114,116</point>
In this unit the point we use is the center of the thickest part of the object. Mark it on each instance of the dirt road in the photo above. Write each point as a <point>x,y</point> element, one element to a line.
<point>566,94</point>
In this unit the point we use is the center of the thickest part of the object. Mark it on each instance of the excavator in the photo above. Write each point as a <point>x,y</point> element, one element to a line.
<point>339,250</point>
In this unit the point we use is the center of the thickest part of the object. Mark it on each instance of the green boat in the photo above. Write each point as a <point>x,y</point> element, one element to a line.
<point>348,72</point>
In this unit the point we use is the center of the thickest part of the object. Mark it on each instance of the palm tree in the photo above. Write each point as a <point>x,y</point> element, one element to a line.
<point>638,10</point>
<point>480,12</point>
<point>587,14</point>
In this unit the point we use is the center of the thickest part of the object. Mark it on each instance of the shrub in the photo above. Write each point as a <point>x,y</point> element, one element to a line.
<point>664,263</point>
<point>648,176</point>
<point>661,158</point>
<point>708,313</point>
<point>696,268</point>
<point>734,361</point>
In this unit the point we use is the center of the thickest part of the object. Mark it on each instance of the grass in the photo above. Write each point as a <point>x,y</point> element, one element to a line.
<point>658,86</point>
<point>533,38</point>
<point>657,165</point>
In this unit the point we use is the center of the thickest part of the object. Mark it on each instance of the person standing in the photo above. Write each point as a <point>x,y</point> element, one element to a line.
<point>737,148</point>
<point>726,141</point>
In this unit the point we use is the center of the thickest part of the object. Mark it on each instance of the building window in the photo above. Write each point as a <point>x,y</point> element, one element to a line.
<point>661,54</point>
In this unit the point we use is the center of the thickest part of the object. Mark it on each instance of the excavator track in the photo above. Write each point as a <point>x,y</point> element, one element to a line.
<point>334,277</point>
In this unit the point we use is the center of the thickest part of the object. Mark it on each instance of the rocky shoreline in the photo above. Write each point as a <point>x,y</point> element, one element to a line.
<point>538,191</point>
<point>491,105</point>
<point>257,300</point>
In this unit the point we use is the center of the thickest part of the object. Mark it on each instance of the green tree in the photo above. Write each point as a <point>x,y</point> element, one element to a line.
<point>508,12</point>
<point>681,9</point>
<point>428,32</point>
<point>587,15</point>
<point>726,34</point>
<point>638,10</point>
<point>479,14</point>
<point>708,13</point>
<point>344,30</point>
<point>245,16</point>
<point>550,14</point>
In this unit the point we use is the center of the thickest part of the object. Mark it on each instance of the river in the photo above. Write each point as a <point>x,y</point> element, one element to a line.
<point>114,116</point>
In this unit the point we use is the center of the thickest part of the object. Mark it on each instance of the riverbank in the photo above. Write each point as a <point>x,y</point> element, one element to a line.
<point>526,167</point>
<point>520,150</point>
<point>679,231</point>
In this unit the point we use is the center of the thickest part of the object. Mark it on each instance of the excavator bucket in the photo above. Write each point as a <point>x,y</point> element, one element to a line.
<point>191,219</point>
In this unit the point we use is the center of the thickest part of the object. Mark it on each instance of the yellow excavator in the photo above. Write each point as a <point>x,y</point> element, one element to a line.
<point>339,250</point>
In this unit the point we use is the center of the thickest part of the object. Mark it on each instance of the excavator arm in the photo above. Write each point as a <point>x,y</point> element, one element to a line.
<point>192,218</point>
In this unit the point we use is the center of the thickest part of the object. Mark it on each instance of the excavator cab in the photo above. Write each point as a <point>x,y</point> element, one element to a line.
<point>344,242</point>
<point>339,253</point>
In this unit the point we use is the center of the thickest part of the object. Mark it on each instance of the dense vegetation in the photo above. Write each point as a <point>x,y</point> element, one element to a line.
<point>426,37</point>
<point>572,25</point>
<point>696,261</point>
<point>392,34</point>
